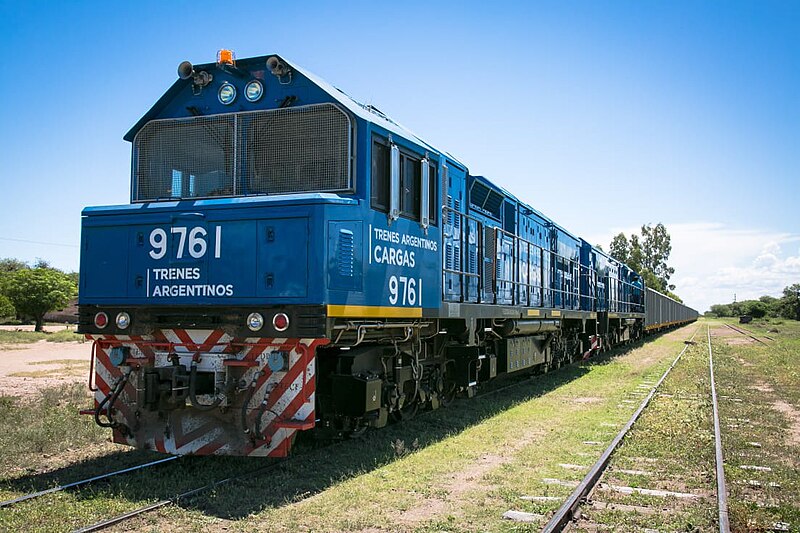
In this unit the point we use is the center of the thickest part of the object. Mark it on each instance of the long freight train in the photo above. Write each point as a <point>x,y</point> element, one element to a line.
<point>292,259</point>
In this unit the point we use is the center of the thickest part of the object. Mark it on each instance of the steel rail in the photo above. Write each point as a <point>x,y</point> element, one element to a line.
<point>722,495</point>
<point>752,333</point>
<point>566,512</point>
<point>175,499</point>
<point>746,334</point>
<point>59,488</point>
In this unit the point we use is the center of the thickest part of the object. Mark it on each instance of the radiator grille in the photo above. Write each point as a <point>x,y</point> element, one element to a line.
<point>184,158</point>
<point>296,150</point>
<point>274,151</point>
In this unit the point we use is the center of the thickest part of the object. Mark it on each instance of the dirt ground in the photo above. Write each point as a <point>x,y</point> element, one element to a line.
<point>27,368</point>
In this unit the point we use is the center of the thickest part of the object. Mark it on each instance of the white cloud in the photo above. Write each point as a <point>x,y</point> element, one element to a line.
<point>713,262</point>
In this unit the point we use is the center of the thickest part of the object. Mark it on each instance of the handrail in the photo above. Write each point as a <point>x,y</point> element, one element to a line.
<point>536,261</point>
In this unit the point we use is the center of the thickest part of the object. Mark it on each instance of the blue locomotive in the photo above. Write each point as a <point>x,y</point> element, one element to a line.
<point>292,259</point>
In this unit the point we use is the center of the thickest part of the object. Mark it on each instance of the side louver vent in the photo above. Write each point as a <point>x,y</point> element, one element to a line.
<point>345,255</point>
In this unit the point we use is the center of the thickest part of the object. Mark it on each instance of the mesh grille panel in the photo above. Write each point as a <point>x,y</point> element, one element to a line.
<point>259,152</point>
<point>296,150</point>
<point>184,158</point>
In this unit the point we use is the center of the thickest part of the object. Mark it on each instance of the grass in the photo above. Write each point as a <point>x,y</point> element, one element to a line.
<point>460,468</point>
<point>466,462</point>
<point>64,336</point>
<point>673,444</point>
<point>33,430</point>
<point>766,378</point>
<point>63,367</point>
<point>472,462</point>
<point>29,337</point>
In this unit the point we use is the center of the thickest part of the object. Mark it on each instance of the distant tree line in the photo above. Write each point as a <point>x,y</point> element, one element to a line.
<point>787,306</point>
<point>28,292</point>
<point>647,254</point>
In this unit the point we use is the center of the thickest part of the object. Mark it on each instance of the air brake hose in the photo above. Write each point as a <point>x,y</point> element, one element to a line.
<point>110,399</point>
<point>250,391</point>
<point>261,410</point>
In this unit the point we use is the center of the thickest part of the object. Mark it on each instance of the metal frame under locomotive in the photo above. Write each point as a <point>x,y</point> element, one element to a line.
<point>373,303</point>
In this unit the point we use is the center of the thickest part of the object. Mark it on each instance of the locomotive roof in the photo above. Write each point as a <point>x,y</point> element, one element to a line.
<point>362,111</point>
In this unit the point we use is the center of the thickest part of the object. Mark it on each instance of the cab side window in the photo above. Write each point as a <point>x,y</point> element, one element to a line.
<point>409,196</point>
<point>379,198</point>
<point>433,201</point>
<point>410,186</point>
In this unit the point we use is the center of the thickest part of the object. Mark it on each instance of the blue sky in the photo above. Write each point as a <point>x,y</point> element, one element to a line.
<point>603,115</point>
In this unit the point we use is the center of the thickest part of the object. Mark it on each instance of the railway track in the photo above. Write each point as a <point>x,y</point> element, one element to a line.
<point>185,496</point>
<point>569,514</point>
<point>87,481</point>
<point>747,333</point>
<point>722,490</point>
<point>208,486</point>
<point>98,526</point>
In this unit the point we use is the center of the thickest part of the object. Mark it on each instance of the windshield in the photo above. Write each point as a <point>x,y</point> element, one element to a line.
<point>278,151</point>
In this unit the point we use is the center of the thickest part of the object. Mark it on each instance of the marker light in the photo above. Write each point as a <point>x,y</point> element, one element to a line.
<point>227,93</point>
<point>280,322</point>
<point>123,320</point>
<point>253,91</point>
<point>101,320</point>
<point>226,57</point>
<point>255,321</point>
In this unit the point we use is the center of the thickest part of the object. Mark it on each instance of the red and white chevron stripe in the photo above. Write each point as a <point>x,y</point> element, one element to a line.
<point>595,343</point>
<point>279,402</point>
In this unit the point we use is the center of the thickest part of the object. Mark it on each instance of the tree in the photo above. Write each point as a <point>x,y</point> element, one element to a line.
<point>41,263</point>
<point>635,256</point>
<point>755,308</point>
<point>786,307</point>
<point>620,249</point>
<point>721,310</point>
<point>12,265</point>
<point>647,255</point>
<point>789,305</point>
<point>6,308</point>
<point>656,248</point>
<point>36,291</point>
<point>674,296</point>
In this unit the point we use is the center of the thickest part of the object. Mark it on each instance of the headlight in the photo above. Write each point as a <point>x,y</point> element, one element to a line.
<point>255,321</point>
<point>123,320</point>
<point>227,93</point>
<point>253,91</point>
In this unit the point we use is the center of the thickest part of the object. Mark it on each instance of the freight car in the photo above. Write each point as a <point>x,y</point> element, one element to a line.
<point>662,312</point>
<point>292,259</point>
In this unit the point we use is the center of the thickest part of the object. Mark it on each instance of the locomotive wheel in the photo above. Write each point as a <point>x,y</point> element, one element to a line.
<point>407,412</point>
<point>448,393</point>
<point>358,432</point>
<point>449,388</point>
